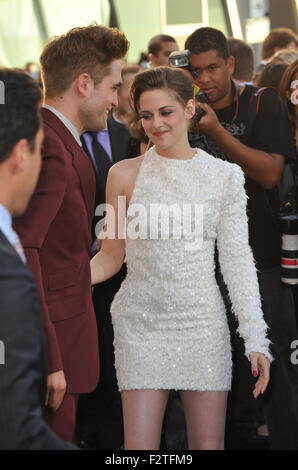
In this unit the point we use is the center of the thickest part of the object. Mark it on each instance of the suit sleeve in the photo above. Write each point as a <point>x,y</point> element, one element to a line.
<point>33,228</point>
<point>22,376</point>
<point>54,359</point>
<point>237,265</point>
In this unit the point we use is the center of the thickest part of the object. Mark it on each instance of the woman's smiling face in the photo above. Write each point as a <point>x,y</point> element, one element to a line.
<point>164,118</point>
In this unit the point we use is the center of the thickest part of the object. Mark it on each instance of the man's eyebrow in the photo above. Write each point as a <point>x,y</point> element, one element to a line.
<point>208,65</point>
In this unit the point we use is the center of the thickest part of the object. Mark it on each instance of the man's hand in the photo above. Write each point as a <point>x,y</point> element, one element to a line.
<point>209,123</point>
<point>56,387</point>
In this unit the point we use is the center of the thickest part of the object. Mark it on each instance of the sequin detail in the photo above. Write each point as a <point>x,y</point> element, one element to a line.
<point>169,318</point>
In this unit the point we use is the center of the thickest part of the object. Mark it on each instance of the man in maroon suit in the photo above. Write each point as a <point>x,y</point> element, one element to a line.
<point>81,73</point>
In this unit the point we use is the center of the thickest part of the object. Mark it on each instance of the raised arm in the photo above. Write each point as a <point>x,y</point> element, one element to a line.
<point>264,167</point>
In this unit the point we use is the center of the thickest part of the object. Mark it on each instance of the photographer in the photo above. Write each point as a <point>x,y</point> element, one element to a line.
<point>260,149</point>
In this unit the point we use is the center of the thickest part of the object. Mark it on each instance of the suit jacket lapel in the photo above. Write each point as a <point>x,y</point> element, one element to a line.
<point>81,163</point>
<point>7,245</point>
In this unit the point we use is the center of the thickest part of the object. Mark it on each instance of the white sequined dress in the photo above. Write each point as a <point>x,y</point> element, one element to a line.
<point>169,318</point>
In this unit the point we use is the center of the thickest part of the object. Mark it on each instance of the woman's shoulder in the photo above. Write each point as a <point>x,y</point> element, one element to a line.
<point>126,166</point>
<point>217,163</point>
<point>123,173</point>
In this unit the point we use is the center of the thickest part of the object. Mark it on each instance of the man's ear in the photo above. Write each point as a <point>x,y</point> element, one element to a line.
<point>19,155</point>
<point>150,57</point>
<point>83,84</point>
<point>231,65</point>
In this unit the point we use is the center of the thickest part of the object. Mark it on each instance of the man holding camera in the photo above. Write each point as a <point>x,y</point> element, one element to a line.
<point>260,149</point>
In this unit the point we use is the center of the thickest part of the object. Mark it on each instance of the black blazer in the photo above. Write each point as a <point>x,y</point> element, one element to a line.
<point>23,374</point>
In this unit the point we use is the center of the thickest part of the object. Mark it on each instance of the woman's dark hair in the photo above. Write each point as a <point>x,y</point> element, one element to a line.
<point>285,89</point>
<point>19,110</point>
<point>272,75</point>
<point>158,78</point>
<point>168,78</point>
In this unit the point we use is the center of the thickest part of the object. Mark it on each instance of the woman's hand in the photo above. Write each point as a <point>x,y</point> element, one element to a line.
<point>260,365</point>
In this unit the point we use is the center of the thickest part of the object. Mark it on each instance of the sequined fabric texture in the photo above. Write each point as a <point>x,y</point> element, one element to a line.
<point>169,318</point>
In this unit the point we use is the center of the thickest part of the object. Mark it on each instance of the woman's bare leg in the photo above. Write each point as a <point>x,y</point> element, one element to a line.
<point>205,414</point>
<point>143,412</point>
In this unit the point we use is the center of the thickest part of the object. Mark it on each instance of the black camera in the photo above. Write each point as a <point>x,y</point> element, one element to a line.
<point>181,59</point>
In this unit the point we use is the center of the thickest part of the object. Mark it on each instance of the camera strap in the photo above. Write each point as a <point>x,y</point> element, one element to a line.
<point>236,89</point>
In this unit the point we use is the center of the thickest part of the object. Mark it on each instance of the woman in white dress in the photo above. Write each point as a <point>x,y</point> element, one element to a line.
<point>167,209</point>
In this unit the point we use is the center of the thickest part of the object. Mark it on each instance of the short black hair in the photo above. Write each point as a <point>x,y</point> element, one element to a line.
<point>207,39</point>
<point>155,43</point>
<point>19,110</point>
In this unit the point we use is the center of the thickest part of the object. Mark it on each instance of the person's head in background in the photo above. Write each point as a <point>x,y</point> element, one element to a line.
<point>286,56</point>
<point>159,49</point>
<point>32,69</point>
<point>81,72</point>
<point>243,55</point>
<point>123,110</point>
<point>211,65</point>
<point>21,139</point>
<point>271,75</point>
<point>279,38</point>
<point>288,91</point>
<point>143,60</point>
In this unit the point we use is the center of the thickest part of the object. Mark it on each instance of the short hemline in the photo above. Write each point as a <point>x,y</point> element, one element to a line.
<point>191,389</point>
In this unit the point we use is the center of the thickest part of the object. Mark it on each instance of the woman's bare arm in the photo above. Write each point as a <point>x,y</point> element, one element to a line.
<point>110,258</point>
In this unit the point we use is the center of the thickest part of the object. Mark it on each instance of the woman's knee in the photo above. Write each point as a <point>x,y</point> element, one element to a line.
<point>206,443</point>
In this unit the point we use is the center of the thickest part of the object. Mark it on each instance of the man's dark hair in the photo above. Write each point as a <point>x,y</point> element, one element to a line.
<point>244,59</point>
<point>155,43</point>
<point>19,115</point>
<point>207,39</point>
<point>278,38</point>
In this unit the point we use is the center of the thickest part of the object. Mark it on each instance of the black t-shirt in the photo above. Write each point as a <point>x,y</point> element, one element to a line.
<point>270,132</point>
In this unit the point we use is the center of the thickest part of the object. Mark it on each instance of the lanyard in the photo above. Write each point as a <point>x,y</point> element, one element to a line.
<point>236,88</point>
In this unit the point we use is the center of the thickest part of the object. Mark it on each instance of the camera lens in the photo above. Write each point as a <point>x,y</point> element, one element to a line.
<point>289,249</point>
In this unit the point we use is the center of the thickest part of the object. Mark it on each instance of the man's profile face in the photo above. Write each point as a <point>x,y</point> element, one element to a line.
<point>102,98</point>
<point>162,57</point>
<point>214,75</point>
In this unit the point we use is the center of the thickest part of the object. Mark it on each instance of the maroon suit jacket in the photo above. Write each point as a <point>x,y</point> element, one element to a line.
<point>55,232</point>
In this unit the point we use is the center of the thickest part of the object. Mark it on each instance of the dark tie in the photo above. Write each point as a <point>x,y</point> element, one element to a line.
<point>103,163</point>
